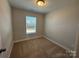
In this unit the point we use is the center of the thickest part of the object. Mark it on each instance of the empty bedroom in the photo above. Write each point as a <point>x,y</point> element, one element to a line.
<point>39,28</point>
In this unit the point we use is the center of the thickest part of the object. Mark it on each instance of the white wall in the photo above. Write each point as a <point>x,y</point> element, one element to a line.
<point>77,40</point>
<point>5,26</point>
<point>61,26</point>
<point>19,24</point>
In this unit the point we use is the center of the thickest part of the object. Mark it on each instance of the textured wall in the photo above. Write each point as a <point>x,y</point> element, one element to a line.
<point>61,26</point>
<point>19,25</point>
<point>5,25</point>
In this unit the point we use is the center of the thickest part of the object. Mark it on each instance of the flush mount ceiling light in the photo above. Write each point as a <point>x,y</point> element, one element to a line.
<point>41,3</point>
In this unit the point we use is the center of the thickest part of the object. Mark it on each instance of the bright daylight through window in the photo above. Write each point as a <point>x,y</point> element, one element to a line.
<point>30,24</point>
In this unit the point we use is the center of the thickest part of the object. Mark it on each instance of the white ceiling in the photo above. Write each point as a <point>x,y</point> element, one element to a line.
<point>31,6</point>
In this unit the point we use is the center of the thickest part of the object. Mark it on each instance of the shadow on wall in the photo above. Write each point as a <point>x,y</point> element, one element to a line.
<point>61,26</point>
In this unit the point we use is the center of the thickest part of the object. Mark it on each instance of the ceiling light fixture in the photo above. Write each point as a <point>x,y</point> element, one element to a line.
<point>41,3</point>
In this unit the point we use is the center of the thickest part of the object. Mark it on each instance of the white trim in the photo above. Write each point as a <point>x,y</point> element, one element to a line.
<point>73,53</point>
<point>67,49</point>
<point>26,39</point>
<point>10,49</point>
<point>76,41</point>
<point>11,46</point>
<point>57,43</point>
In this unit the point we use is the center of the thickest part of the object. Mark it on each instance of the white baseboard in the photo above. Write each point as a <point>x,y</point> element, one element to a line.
<point>67,49</point>
<point>10,49</point>
<point>11,46</point>
<point>27,39</point>
<point>73,53</point>
<point>56,43</point>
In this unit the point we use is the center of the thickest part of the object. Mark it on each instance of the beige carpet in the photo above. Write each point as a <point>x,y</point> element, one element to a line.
<point>38,48</point>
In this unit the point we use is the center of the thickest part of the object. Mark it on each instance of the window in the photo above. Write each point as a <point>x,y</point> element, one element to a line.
<point>30,24</point>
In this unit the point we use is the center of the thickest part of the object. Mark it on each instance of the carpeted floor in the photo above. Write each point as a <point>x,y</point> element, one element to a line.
<point>37,48</point>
